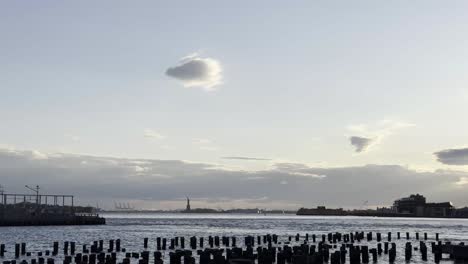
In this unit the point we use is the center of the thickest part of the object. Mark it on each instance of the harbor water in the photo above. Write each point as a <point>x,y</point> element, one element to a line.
<point>132,228</point>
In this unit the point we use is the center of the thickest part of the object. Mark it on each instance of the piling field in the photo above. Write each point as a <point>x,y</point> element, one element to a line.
<point>306,248</point>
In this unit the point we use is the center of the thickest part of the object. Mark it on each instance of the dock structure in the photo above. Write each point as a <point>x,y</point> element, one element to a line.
<point>44,209</point>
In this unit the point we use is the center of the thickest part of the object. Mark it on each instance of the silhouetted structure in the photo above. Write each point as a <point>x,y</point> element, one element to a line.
<point>462,212</point>
<point>40,209</point>
<point>321,210</point>
<point>415,205</point>
<point>188,205</point>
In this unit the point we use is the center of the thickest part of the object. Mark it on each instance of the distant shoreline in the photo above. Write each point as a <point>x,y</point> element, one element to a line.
<point>275,214</point>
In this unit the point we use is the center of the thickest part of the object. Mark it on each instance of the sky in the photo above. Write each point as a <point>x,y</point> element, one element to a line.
<point>269,104</point>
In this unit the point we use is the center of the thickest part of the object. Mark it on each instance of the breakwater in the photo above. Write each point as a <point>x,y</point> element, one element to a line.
<point>306,248</point>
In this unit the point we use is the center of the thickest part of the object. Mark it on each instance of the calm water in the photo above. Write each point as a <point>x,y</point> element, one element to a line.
<point>132,228</point>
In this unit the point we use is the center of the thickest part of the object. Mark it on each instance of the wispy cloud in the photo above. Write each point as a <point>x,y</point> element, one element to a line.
<point>73,137</point>
<point>245,158</point>
<point>201,141</point>
<point>205,144</point>
<point>149,133</point>
<point>462,181</point>
<point>209,148</point>
<point>197,71</point>
<point>365,137</point>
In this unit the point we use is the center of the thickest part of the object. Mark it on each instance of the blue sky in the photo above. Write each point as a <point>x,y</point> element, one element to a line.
<point>298,80</point>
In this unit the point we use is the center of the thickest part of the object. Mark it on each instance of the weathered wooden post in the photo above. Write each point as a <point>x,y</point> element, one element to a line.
<point>164,244</point>
<point>72,248</point>
<point>423,248</point>
<point>111,245</point>
<point>408,251</point>
<point>210,241</point>
<point>158,243</point>
<point>365,254</point>
<point>374,254</point>
<point>17,250</point>
<point>117,245</point>
<point>392,255</point>
<point>172,246</point>
<point>23,249</point>
<point>193,242</point>
<point>65,248</point>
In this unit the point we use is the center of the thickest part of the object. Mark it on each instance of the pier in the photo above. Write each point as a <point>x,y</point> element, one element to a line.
<point>39,209</point>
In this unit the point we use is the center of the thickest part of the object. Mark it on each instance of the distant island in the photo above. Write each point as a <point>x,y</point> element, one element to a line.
<point>413,206</point>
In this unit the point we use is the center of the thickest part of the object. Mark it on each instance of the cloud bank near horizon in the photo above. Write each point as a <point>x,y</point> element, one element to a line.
<point>164,183</point>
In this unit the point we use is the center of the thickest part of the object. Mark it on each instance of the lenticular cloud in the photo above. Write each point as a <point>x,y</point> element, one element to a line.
<point>196,71</point>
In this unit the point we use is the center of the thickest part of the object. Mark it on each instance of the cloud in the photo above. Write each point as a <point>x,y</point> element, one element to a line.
<point>305,174</point>
<point>361,143</point>
<point>297,169</point>
<point>149,133</point>
<point>152,183</point>
<point>453,156</point>
<point>201,141</point>
<point>196,71</point>
<point>209,148</point>
<point>73,137</point>
<point>462,181</point>
<point>244,158</point>
<point>35,154</point>
<point>364,137</point>
<point>205,144</point>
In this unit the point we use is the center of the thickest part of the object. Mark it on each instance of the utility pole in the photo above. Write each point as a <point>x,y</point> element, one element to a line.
<point>36,190</point>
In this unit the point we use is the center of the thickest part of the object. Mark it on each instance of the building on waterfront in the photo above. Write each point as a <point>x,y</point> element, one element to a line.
<point>321,210</point>
<point>44,209</point>
<point>416,205</point>
<point>461,212</point>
